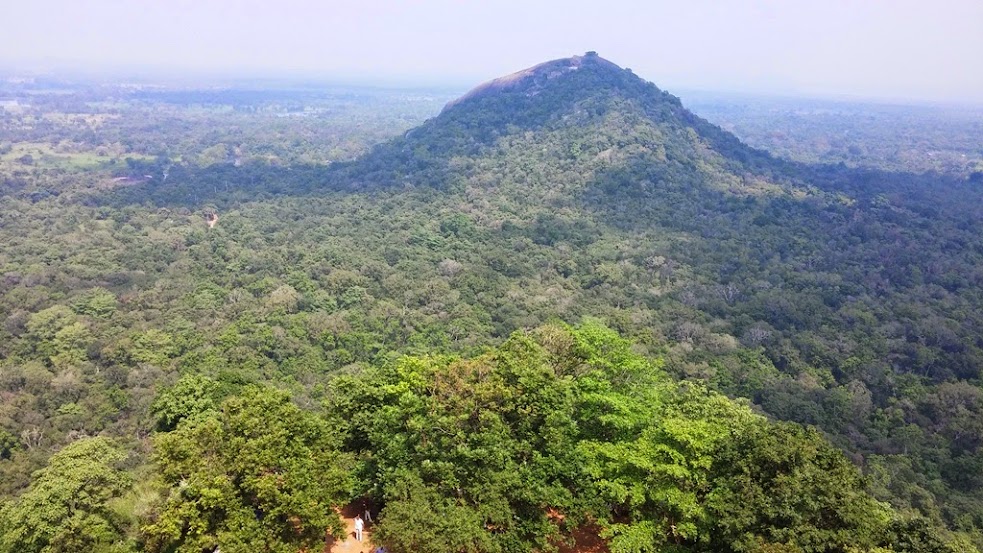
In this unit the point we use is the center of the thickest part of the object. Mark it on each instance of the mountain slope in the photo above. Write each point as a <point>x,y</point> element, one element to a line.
<point>844,288</point>
<point>583,109</point>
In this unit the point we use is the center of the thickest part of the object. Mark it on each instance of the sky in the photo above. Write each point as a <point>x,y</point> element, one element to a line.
<point>929,50</point>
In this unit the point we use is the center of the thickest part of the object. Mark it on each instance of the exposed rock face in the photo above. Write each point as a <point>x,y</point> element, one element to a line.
<point>531,80</point>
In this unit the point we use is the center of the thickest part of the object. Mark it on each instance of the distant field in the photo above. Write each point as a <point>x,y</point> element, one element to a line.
<point>22,155</point>
<point>910,138</point>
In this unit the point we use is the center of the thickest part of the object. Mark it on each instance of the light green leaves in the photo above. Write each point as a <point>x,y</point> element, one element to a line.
<point>66,509</point>
<point>259,474</point>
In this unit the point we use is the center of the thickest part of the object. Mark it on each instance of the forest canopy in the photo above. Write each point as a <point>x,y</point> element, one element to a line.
<point>557,430</point>
<point>566,306</point>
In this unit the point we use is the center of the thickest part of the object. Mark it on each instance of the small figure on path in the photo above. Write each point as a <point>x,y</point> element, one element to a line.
<point>368,513</point>
<point>359,524</point>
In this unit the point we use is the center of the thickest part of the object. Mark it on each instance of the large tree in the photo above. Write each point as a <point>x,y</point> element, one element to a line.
<point>67,507</point>
<point>259,475</point>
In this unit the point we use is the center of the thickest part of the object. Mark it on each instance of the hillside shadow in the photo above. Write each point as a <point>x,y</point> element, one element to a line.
<point>219,185</point>
<point>389,166</point>
<point>639,192</point>
<point>628,195</point>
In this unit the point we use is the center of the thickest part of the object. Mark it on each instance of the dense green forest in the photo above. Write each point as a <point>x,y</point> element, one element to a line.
<point>226,313</point>
<point>941,138</point>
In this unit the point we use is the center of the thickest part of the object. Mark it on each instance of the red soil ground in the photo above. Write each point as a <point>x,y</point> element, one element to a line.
<point>350,544</point>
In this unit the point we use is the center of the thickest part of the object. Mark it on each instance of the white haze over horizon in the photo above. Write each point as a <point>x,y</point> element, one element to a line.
<point>875,49</point>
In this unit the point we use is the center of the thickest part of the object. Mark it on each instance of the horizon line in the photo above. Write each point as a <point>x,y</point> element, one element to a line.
<point>200,78</point>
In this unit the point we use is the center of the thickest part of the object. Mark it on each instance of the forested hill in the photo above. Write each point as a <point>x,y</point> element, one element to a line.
<point>506,328</point>
<point>562,100</point>
<point>848,299</point>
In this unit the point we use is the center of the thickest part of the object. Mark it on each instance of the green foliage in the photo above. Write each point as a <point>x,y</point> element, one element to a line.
<point>782,484</point>
<point>419,518</point>
<point>474,455</point>
<point>67,507</point>
<point>259,475</point>
<point>914,139</point>
<point>97,302</point>
<point>192,398</point>
<point>55,332</point>
<point>918,534</point>
<point>658,479</point>
<point>152,346</point>
<point>8,444</point>
<point>838,298</point>
<point>487,442</point>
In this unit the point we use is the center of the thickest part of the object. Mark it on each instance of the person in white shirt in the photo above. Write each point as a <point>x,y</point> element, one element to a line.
<point>359,524</point>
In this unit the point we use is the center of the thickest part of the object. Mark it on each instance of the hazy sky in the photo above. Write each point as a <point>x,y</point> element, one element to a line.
<point>901,49</point>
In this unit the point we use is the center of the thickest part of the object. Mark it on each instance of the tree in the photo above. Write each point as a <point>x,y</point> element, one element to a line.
<point>193,396</point>
<point>56,331</point>
<point>66,508</point>
<point>8,444</point>
<point>420,519</point>
<point>259,475</point>
<point>782,484</point>
<point>657,480</point>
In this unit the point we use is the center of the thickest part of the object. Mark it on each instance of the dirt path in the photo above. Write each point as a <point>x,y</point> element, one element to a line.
<point>584,539</point>
<point>350,544</point>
